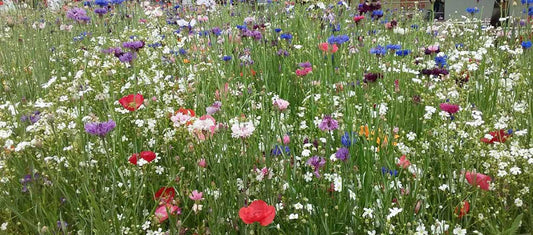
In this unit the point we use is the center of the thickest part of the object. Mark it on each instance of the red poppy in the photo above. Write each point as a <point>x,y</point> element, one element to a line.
<point>131,102</point>
<point>465,208</point>
<point>188,112</point>
<point>146,155</point>
<point>165,194</point>
<point>258,211</point>
<point>1,3</point>
<point>478,179</point>
<point>497,136</point>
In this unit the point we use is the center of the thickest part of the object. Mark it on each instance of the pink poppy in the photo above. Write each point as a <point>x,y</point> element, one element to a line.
<point>162,212</point>
<point>403,162</point>
<point>478,179</point>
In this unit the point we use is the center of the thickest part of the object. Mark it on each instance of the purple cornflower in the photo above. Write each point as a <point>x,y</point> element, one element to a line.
<point>306,64</point>
<point>134,46</point>
<point>213,108</point>
<point>316,162</point>
<point>100,11</point>
<point>78,14</point>
<point>127,57</point>
<point>100,128</point>
<point>328,124</point>
<point>33,118</point>
<point>343,154</point>
<point>111,50</point>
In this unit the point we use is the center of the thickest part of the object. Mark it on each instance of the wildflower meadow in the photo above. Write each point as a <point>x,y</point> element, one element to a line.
<point>231,117</point>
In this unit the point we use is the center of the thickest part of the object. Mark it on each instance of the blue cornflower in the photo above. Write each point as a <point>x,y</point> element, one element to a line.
<point>377,14</point>
<point>441,61</point>
<point>393,47</point>
<point>226,58</point>
<point>277,30</point>
<point>286,36</point>
<point>101,3</point>
<point>385,171</point>
<point>414,26</point>
<point>403,52</point>
<point>472,10</point>
<point>182,51</point>
<point>527,1</point>
<point>379,50</point>
<point>242,27</point>
<point>526,44</point>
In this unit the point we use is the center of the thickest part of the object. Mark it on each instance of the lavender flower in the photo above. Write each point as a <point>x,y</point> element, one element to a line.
<point>328,124</point>
<point>100,128</point>
<point>316,162</point>
<point>33,118</point>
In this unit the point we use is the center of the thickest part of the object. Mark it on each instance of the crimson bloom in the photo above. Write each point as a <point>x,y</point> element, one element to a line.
<point>478,180</point>
<point>258,211</point>
<point>497,136</point>
<point>147,156</point>
<point>450,108</point>
<point>358,18</point>
<point>463,210</point>
<point>131,102</point>
<point>165,194</point>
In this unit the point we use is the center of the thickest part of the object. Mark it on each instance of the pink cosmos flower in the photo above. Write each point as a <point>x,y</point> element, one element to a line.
<point>242,129</point>
<point>281,104</point>
<point>162,212</point>
<point>403,162</point>
<point>478,179</point>
<point>196,196</point>
<point>450,108</point>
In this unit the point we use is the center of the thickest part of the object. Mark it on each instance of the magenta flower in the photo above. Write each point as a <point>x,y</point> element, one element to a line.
<point>450,108</point>
<point>196,196</point>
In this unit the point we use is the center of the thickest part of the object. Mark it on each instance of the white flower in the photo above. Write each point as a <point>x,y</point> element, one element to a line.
<point>146,225</point>
<point>159,170</point>
<point>411,136</point>
<point>298,206</point>
<point>242,130</point>
<point>393,212</point>
<point>444,187</point>
<point>4,226</point>
<point>518,202</point>
<point>293,216</point>
<point>368,213</point>
<point>308,177</point>
<point>352,194</point>
<point>459,231</point>
<point>515,170</point>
